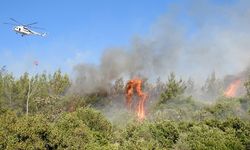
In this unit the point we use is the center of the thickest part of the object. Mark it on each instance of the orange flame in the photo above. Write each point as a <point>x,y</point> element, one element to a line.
<point>137,84</point>
<point>232,88</point>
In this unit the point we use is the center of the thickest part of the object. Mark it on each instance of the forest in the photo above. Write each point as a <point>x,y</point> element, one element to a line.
<point>50,111</point>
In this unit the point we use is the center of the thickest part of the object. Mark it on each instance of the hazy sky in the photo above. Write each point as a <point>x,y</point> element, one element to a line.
<point>80,30</point>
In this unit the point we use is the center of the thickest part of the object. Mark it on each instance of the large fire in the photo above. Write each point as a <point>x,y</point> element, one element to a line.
<point>232,89</point>
<point>137,85</point>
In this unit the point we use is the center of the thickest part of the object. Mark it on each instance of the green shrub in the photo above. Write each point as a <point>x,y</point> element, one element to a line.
<point>69,132</point>
<point>205,138</point>
<point>81,129</point>
<point>28,132</point>
<point>159,135</point>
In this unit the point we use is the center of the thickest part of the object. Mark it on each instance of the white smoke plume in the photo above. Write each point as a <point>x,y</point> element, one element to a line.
<point>204,37</point>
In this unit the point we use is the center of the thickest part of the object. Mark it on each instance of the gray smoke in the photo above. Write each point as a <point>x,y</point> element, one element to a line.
<point>206,37</point>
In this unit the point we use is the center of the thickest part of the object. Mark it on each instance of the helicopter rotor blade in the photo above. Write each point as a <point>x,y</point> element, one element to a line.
<point>15,21</point>
<point>40,28</point>
<point>29,25</point>
<point>10,23</point>
<point>25,25</point>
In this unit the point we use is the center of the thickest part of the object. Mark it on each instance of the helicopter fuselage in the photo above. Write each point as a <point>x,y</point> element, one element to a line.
<point>22,30</point>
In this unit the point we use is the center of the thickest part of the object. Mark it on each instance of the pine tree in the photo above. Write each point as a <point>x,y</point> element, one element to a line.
<point>174,88</point>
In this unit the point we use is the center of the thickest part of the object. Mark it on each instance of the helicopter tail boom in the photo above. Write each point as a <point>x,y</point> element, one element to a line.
<point>40,34</point>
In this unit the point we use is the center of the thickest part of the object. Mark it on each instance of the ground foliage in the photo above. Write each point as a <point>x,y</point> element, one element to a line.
<point>61,119</point>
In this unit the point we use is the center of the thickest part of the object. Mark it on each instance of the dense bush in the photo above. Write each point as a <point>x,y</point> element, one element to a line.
<point>238,127</point>
<point>78,130</point>
<point>47,117</point>
<point>160,135</point>
<point>87,128</point>
<point>205,138</point>
<point>23,132</point>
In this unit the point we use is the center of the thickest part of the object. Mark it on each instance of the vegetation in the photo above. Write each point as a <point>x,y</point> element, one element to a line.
<point>42,112</point>
<point>173,89</point>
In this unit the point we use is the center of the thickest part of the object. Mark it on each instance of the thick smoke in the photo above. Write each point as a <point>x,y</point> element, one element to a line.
<point>193,39</point>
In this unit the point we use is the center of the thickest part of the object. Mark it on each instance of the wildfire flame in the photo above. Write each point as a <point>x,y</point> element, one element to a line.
<point>137,85</point>
<point>232,88</point>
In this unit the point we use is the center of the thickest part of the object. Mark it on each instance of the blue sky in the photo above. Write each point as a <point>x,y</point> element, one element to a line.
<point>78,30</point>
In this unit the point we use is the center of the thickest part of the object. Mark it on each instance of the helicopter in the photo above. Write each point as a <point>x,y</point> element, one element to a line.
<point>25,29</point>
